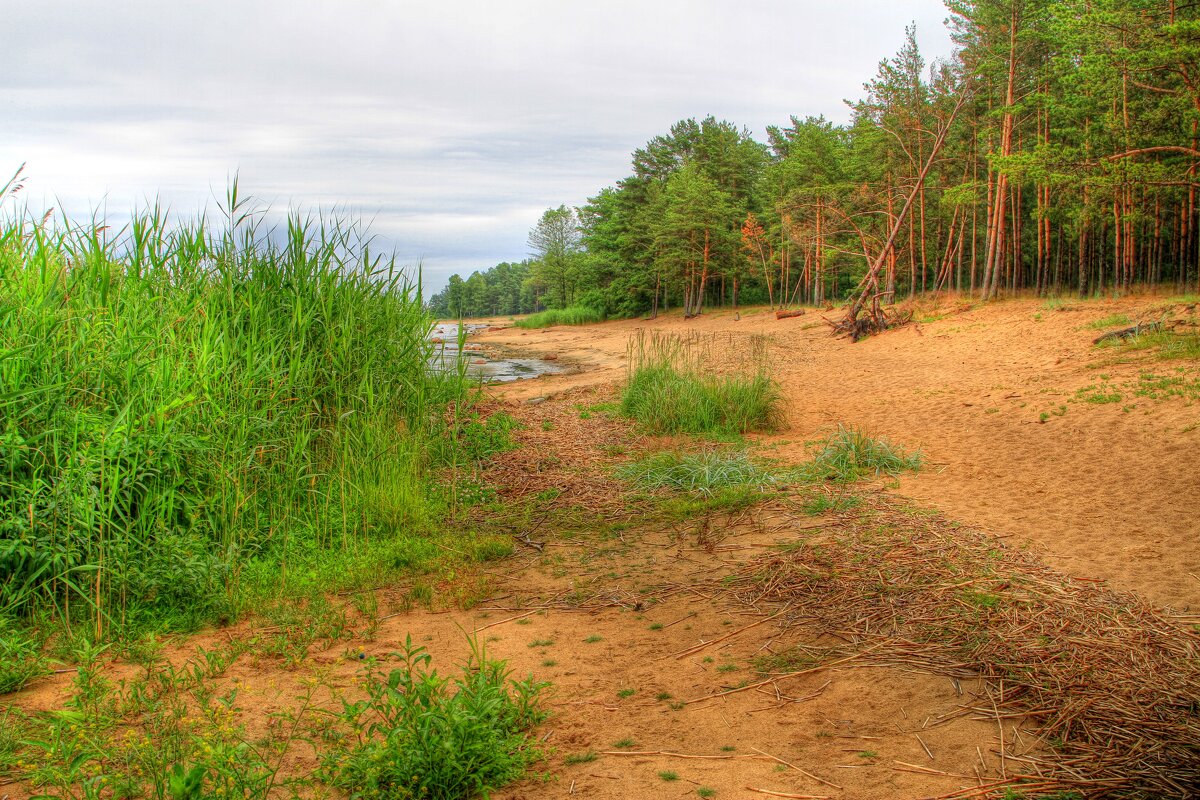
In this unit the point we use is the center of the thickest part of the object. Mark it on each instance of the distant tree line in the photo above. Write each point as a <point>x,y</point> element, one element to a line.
<point>1072,165</point>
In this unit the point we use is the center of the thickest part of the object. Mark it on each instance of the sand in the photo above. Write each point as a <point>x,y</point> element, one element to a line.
<point>1105,491</point>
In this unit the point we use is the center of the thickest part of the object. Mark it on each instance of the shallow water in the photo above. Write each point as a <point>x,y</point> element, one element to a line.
<point>491,370</point>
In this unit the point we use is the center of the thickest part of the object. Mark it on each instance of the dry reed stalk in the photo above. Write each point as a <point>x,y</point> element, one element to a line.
<point>1113,682</point>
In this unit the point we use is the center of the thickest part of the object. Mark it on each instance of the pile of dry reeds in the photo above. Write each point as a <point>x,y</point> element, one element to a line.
<point>1112,686</point>
<point>566,453</point>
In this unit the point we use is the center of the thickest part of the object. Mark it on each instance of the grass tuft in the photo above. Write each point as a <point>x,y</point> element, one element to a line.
<point>576,315</point>
<point>850,454</point>
<point>671,390</point>
<point>702,473</point>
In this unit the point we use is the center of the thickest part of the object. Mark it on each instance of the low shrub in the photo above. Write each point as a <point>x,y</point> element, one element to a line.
<point>21,659</point>
<point>428,736</point>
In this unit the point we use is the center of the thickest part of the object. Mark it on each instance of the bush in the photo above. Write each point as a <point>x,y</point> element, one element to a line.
<point>575,315</point>
<point>427,736</point>
<point>20,657</point>
<point>850,454</point>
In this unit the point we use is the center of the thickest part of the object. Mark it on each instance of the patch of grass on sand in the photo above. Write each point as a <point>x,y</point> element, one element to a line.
<point>850,454</point>
<point>576,315</point>
<point>702,473</point>
<point>672,390</point>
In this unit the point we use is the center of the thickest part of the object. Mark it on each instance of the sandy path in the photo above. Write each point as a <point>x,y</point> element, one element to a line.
<point>1106,491</point>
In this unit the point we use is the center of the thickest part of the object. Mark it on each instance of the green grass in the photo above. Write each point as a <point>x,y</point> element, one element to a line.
<point>196,413</point>
<point>419,734</point>
<point>668,775</point>
<point>1168,345</point>
<point>1111,321</point>
<point>703,473</point>
<point>850,454</point>
<point>576,315</point>
<point>580,758</point>
<point>823,504</point>
<point>671,389</point>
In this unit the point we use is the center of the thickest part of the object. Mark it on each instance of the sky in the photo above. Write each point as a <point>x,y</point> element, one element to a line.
<point>450,126</point>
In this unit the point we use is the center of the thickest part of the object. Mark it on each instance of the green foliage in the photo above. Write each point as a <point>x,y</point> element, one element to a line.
<point>703,473</point>
<point>1167,345</point>
<point>824,503</point>
<point>1111,321</point>
<point>670,391</point>
<point>21,659</point>
<point>422,735</point>
<point>575,315</point>
<point>184,400</point>
<point>850,454</point>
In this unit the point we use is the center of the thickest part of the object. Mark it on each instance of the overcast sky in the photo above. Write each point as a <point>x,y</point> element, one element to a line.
<point>451,125</point>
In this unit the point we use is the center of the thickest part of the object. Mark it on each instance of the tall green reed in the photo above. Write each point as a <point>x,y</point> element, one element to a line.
<point>178,398</point>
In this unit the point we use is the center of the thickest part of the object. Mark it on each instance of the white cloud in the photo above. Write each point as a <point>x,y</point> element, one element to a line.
<point>452,125</point>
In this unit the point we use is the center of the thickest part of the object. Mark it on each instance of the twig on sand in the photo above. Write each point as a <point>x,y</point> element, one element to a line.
<point>510,619</point>
<point>786,794</point>
<point>805,773</point>
<point>697,648</point>
<point>774,678</point>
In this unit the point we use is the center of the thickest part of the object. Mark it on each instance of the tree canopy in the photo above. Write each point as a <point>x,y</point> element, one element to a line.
<point>1071,165</point>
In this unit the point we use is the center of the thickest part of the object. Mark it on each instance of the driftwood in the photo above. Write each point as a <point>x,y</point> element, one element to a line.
<point>789,313</point>
<point>1127,333</point>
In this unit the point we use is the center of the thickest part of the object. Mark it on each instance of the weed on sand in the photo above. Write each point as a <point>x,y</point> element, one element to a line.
<point>850,454</point>
<point>703,473</point>
<point>672,389</point>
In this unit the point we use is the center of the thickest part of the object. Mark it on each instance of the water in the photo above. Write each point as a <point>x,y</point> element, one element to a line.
<point>490,370</point>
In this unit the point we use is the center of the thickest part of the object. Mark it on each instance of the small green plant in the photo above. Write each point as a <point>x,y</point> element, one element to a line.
<point>21,658</point>
<point>868,754</point>
<point>850,454</point>
<point>549,662</point>
<point>662,696</point>
<point>825,503</point>
<point>624,693</point>
<point>668,775</point>
<point>580,758</point>
<point>727,748</point>
<point>419,734</point>
<point>593,639</point>
<point>624,744</point>
<point>704,473</point>
<point>705,791</point>
<point>655,626</point>
<point>727,668</point>
<point>1111,321</point>
<point>541,643</point>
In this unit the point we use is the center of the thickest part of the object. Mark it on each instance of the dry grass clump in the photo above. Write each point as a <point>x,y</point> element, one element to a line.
<point>1113,685</point>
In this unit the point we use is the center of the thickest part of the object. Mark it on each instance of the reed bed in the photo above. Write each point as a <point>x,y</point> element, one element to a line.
<point>1110,684</point>
<point>575,315</point>
<point>182,399</point>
